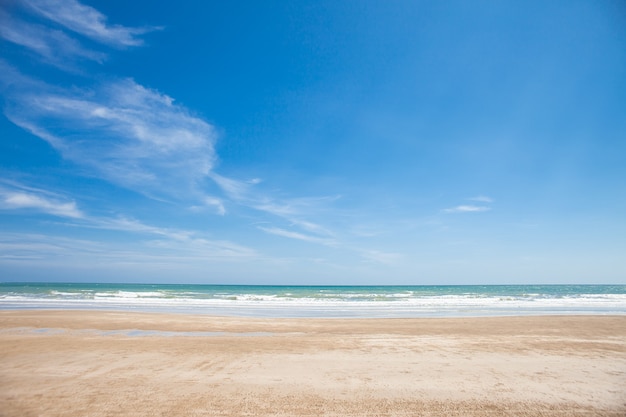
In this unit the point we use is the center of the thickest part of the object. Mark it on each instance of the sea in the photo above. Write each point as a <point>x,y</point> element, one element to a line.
<point>321,301</point>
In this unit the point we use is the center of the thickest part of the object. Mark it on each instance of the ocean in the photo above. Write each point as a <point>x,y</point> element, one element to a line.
<point>320,301</point>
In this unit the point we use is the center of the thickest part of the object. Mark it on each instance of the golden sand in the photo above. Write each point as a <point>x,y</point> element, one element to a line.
<point>94,363</point>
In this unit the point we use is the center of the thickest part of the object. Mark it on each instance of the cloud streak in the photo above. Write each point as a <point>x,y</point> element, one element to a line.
<point>14,196</point>
<point>26,248</point>
<point>50,30</point>
<point>87,21</point>
<point>297,235</point>
<point>122,131</point>
<point>467,209</point>
<point>472,208</point>
<point>128,134</point>
<point>291,210</point>
<point>216,203</point>
<point>54,46</point>
<point>15,200</point>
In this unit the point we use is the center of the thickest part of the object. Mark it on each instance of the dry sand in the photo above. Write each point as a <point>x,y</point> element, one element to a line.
<point>77,364</point>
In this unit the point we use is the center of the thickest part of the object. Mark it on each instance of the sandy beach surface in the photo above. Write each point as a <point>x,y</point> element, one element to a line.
<point>94,363</point>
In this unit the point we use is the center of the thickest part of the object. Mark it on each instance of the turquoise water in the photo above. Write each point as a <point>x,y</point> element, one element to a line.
<point>321,301</point>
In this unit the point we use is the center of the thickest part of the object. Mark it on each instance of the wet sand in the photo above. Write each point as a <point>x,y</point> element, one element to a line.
<point>73,363</point>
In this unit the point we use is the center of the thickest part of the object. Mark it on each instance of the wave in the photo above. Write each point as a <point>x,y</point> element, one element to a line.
<point>433,301</point>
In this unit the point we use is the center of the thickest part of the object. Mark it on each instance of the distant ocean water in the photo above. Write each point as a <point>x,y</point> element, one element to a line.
<point>320,301</point>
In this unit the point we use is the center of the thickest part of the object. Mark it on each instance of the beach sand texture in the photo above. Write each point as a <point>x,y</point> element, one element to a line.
<point>77,363</point>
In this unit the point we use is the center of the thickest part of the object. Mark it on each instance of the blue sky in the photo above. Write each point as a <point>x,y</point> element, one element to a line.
<point>313,142</point>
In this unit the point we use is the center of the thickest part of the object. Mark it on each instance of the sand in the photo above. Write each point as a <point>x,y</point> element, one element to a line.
<point>72,363</point>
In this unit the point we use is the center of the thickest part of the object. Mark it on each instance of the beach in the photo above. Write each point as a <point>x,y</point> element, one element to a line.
<point>113,363</point>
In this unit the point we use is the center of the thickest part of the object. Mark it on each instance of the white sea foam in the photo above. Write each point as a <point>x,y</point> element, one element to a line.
<point>129,294</point>
<point>323,302</point>
<point>448,305</point>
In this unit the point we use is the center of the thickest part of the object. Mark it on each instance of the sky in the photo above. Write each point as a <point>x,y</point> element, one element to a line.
<point>313,142</point>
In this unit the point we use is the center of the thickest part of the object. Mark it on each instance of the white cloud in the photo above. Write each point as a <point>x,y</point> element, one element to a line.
<point>312,227</point>
<point>204,249</point>
<point>123,132</point>
<point>235,189</point>
<point>127,134</point>
<point>467,209</point>
<point>176,243</point>
<point>296,235</point>
<point>54,46</point>
<point>292,210</point>
<point>50,39</point>
<point>87,21</point>
<point>16,200</point>
<point>472,208</point>
<point>217,204</point>
<point>41,250</point>
<point>28,247</point>
<point>174,240</point>
<point>213,203</point>
<point>282,209</point>
<point>186,243</point>
<point>134,226</point>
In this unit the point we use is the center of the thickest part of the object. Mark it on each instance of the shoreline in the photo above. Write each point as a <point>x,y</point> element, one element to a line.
<point>572,365</point>
<point>319,313</point>
<point>322,301</point>
<point>167,320</point>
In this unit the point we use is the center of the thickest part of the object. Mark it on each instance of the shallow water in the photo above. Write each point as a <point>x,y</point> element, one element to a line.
<point>321,301</point>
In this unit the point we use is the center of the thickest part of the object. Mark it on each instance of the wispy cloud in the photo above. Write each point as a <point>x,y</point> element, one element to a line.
<point>54,46</point>
<point>173,239</point>
<point>297,235</point>
<point>294,210</point>
<point>467,209</point>
<point>17,196</point>
<point>204,249</point>
<point>87,21</point>
<point>216,203</point>
<point>51,27</point>
<point>17,200</point>
<point>24,199</point>
<point>124,132</point>
<point>210,203</point>
<point>25,248</point>
<point>187,242</point>
<point>312,227</point>
<point>125,224</point>
<point>485,205</point>
<point>28,247</point>
<point>288,208</point>
<point>235,189</point>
